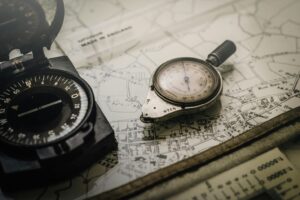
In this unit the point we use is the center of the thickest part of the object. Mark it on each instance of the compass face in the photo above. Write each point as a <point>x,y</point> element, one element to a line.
<point>20,22</point>
<point>186,81</point>
<point>42,108</point>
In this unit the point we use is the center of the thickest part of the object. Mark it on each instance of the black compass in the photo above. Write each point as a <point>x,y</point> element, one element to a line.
<point>50,125</point>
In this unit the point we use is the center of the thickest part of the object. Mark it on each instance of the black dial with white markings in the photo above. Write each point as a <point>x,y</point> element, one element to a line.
<point>21,22</point>
<point>42,108</point>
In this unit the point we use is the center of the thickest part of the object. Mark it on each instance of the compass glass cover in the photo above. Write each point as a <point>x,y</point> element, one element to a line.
<point>20,23</point>
<point>41,108</point>
<point>186,81</point>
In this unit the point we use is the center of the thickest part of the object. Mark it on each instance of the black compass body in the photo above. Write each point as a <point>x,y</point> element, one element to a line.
<point>50,125</point>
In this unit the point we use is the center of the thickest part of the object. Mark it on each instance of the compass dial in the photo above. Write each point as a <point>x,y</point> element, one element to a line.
<point>42,108</point>
<point>186,81</point>
<point>20,22</point>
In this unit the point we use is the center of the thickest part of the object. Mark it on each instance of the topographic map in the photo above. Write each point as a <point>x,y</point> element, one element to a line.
<point>117,45</point>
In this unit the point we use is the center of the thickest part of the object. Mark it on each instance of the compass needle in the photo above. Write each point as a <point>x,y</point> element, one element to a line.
<point>11,21</point>
<point>186,78</point>
<point>28,112</point>
<point>39,108</point>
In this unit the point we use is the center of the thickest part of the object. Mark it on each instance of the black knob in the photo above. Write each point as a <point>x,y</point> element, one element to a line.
<point>221,53</point>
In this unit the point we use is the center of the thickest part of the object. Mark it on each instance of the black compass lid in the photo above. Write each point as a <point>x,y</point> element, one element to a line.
<point>24,25</point>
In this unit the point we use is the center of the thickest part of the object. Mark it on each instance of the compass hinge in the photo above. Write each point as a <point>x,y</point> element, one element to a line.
<point>20,64</point>
<point>12,67</point>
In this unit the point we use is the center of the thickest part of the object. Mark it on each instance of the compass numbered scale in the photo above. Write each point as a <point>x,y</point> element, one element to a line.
<point>32,115</point>
<point>186,85</point>
<point>50,125</point>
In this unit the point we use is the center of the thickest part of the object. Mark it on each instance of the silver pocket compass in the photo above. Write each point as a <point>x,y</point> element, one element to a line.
<point>186,85</point>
